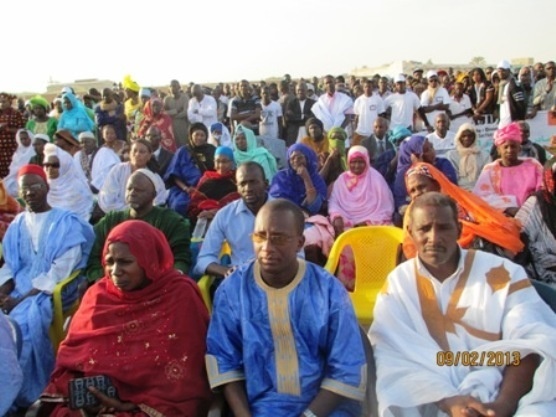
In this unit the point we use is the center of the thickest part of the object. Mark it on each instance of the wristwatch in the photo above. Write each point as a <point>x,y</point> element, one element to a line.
<point>309,413</point>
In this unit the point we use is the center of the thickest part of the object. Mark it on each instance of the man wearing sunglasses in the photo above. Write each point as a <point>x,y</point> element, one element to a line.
<point>283,338</point>
<point>435,100</point>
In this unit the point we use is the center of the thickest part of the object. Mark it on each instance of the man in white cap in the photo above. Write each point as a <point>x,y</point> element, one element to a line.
<point>435,99</point>
<point>511,97</point>
<point>403,104</point>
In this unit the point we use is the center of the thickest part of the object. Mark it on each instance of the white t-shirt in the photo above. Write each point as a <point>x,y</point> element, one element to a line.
<point>441,96</point>
<point>505,112</point>
<point>403,107</point>
<point>459,107</point>
<point>268,126</point>
<point>367,109</point>
<point>442,145</point>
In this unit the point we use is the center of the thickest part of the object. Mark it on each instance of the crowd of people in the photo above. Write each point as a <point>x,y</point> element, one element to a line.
<point>140,189</point>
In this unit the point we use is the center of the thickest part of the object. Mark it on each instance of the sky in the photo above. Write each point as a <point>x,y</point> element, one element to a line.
<point>209,41</point>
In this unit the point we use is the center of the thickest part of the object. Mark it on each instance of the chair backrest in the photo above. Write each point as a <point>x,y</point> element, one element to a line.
<point>375,250</point>
<point>546,292</point>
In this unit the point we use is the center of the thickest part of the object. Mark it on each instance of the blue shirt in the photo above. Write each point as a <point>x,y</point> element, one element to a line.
<point>233,223</point>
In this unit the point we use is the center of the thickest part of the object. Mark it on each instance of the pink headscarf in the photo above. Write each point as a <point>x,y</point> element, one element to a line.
<point>363,198</point>
<point>511,132</point>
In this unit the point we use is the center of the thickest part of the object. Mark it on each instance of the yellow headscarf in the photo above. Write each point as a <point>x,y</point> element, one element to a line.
<point>129,84</point>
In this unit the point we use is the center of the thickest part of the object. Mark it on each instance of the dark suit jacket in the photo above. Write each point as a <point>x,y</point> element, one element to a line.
<point>294,118</point>
<point>161,164</point>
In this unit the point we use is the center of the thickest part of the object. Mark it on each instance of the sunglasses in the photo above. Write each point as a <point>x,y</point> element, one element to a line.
<point>51,165</point>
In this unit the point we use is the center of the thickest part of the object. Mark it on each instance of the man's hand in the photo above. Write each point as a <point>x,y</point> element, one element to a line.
<point>111,405</point>
<point>465,406</point>
<point>8,304</point>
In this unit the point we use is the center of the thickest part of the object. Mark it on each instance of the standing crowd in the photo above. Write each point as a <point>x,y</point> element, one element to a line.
<point>141,190</point>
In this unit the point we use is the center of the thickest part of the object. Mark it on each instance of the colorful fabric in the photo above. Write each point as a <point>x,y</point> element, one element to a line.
<point>61,232</point>
<point>47,128</point>
<point>547,196</point>
<point>31,169</point>
<point>12,121</point>
<point>162,121</point>
<point>488,305</point>
<point>40,101</point>
<point>21,157</point>
<point>307,327</point>
<point>175,228</point>
<point>478,219</point>
<point>76,120</point>
<point>129,84</point>
<point>504,187</point>
<point>509,133</point>
<point>414,146</point>
<point>288,184</point>
<point>363,198</point>
<point>184,168</point>
<point>339,144</point>
<point>149,342</point>
<point>254,153</point>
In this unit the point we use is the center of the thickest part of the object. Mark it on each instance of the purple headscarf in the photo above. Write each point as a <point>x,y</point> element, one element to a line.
<point>287,184</point>
<point>413,145</point>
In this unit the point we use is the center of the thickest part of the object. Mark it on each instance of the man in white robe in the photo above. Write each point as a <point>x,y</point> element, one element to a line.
<point>461,333</point>
<point>333,109</point>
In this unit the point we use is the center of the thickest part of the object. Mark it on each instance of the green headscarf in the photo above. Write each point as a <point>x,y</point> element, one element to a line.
<point>254,153</point>
<point>339,144</point>
<point>40,101</point>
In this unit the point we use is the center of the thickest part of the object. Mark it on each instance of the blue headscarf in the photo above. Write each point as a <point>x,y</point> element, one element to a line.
<point>227,152</point>
<point>399,133</point>
<point>76,119</point>
<point>287,184</point>
<point>410,146</point>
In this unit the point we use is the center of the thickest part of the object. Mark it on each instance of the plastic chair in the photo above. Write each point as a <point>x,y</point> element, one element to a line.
<point>206,281</point>
<point>375,250</point>
<point>62,312</point>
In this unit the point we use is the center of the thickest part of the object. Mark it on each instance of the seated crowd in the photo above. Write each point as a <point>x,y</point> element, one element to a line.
<point>140,189</point>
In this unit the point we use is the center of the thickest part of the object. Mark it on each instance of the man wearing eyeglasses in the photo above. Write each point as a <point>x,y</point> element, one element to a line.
<point>42,246</point>
<point>284,339</point>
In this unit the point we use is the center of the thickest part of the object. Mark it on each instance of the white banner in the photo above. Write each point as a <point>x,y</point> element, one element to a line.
<point>543,127</point>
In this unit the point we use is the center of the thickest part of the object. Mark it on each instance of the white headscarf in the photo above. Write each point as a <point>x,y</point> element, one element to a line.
<point>70,190</point>
<point>21,157</point>
<point>158,185</point>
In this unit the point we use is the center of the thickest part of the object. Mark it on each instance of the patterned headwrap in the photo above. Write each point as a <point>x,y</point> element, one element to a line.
<point>511,132</point>
<point>420,169</point>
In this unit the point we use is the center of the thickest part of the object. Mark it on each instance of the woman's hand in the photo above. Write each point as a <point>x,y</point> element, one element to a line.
<point>110,405</point>
<point>302,171</point>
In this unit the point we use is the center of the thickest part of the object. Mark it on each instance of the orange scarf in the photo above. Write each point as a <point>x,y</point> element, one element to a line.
<point>481,220</point>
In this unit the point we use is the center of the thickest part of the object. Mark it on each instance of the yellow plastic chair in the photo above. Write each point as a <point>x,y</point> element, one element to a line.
<point>57,331</point>
<point>206,280</point>
<point>375,250</point>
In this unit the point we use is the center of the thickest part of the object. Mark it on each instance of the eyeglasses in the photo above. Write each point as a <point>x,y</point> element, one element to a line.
<point>33,187</point>
<point>278,240</point>
<point>51,165</point>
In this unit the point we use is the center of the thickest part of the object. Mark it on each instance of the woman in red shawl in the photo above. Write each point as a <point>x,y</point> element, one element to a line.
<point>144,327</point>
<point>11,120</point>
<point>216,188</point>
<point>154,115</point>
